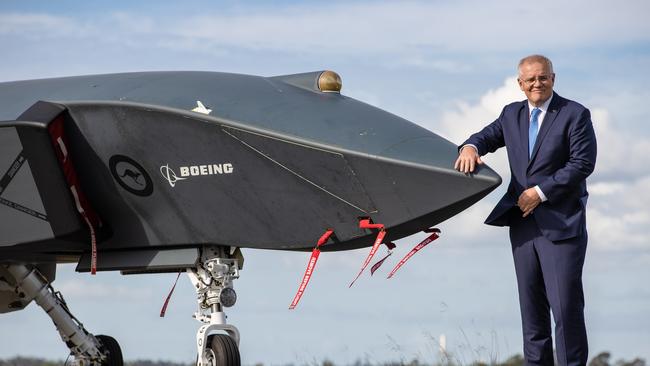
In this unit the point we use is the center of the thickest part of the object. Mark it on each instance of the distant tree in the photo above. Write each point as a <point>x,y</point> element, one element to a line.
<point>516,360</point>
<point>601,359</point>
<point>359,362</point>
<point>28,361</point>
<point>155,363</point>
<point>636,362</point>
<point>414,362</point>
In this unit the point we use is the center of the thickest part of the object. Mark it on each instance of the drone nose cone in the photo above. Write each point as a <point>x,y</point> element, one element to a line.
<point>424,188</point>
<point>436,154</point>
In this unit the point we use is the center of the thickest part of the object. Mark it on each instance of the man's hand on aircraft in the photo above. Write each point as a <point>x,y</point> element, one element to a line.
<point>528,200</point>
<point>467,160</point>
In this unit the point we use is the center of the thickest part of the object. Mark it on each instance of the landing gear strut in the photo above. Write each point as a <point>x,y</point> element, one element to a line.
<point>212,279</point>
<point>84,347</point>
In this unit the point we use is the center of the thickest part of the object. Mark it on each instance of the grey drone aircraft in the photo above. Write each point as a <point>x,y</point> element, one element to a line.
<point>176,171</point>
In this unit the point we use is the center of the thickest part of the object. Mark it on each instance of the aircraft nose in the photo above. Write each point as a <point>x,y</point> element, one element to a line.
<point>420,186</point>
<point>435,152</point>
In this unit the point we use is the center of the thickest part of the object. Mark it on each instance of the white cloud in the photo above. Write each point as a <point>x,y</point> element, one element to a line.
<point>132,22</point>
<point>618,230</point>
<point>398,28</point>
<point>457,125</point>
<point>616,146</point>
<point>38,25</point>
<point>389,26</point>
<point>100,290</point>
<point>445,65</point>
<point>606,188</point>
<point>618,216</point>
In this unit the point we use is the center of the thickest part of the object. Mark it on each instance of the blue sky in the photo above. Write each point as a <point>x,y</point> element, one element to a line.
<point>446,65</point>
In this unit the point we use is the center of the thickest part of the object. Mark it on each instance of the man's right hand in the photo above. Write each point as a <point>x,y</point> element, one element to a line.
<point>467,159</point>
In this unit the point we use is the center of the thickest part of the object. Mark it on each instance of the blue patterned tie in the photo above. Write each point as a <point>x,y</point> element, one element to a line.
<point>532,130</point>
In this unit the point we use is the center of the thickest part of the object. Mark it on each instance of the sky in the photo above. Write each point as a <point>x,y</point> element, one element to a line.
<point>449,66</point>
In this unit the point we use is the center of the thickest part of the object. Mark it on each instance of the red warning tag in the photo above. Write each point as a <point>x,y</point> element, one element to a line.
<point>378,264</point>
<point>373,250</point>
<point>422,244</point>
<point>169,296</point>
<point>310,268</point>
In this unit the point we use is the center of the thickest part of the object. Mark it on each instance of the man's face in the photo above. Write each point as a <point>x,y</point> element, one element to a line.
<point>536,81</point>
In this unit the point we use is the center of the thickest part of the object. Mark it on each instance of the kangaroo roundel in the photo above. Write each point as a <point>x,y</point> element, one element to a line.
<point>130,175</point>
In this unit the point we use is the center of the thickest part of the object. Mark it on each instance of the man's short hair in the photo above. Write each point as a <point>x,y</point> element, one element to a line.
<point>535,58</point>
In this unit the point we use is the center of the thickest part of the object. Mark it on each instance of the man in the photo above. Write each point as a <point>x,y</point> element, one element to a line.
<point>551,148</point>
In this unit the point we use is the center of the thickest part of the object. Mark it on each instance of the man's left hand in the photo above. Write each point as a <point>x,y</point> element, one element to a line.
<point>528,200</point>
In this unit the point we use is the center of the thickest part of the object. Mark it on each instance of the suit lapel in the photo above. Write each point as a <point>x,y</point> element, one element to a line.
<point>547,123</point>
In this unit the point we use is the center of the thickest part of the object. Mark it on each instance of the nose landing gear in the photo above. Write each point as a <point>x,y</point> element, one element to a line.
<point>212,279</point>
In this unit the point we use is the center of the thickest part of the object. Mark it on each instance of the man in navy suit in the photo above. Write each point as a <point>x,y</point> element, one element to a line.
<point>551,149</point>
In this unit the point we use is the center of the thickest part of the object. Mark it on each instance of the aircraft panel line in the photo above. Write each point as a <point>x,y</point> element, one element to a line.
<point>294,173</point>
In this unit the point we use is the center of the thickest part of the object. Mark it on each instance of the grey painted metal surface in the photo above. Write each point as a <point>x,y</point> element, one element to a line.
<point>274,164</point>
<point>267,103</point>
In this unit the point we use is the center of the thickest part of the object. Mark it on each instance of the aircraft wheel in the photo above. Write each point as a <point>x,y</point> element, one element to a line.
<point>225,351</point>
<point>110,345</point>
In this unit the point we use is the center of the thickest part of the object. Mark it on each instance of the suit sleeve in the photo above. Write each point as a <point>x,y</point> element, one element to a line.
<point>489,139</point>
<point>581,163</point>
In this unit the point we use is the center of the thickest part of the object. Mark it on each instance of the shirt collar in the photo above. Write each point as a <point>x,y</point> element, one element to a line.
<point>543,107</point>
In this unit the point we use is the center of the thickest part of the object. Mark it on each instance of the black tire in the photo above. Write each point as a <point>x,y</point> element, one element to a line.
<point>110,345</point>
<point>226,352</point>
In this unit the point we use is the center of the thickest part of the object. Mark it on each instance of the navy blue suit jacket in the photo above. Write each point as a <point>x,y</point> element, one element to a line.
<point>563,156</point>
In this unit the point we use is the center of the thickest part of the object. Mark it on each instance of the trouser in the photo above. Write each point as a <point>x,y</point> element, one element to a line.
<point>549,278</point>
